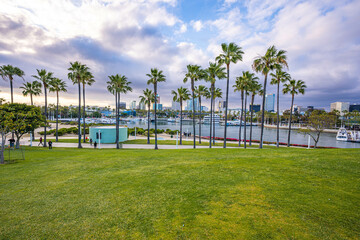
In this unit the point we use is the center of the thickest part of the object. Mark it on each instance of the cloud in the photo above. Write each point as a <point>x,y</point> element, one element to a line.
<point>197,25</point>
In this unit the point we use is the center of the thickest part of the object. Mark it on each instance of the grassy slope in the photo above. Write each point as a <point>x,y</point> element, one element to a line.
<point>197,194</point>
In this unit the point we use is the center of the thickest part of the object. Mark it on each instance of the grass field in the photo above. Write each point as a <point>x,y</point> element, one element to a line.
<point>281,193</point>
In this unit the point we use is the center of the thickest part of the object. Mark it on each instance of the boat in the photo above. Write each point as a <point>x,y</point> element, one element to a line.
<point>215,119</point>
<point>347,135</point>
<point>171,120</point>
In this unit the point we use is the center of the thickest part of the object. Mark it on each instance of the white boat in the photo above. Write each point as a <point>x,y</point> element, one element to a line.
<point>215,119</point>
<point>237,123</point>
<point>171,120</point>
<point>348,135</point>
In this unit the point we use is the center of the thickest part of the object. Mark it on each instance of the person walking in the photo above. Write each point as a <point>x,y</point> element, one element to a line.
<point>40,142</point>
<point>95,144</point>
<point>50,144</point>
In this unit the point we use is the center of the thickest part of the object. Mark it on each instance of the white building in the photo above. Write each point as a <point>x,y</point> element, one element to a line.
<point>175,106</point>
<point>142,106</point>
<point>132,105</point>
<point>340,106</point>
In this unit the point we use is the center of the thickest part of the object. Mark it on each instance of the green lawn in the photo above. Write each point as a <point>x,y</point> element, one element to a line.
<point>281,193</point>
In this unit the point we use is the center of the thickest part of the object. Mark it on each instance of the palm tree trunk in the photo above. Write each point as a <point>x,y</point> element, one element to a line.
<point>117,120</point>
<point>245,121</point>
<point>31,99</point>
<point>180,121</point>
<point>278,116</point>
<point>79,115</point>
<point>84,114</point>
<point>211,113</point>
<point>116,114</point>
<point>148,133</point>
<point>251,117</point>
<point>214,130</point>
<point>241,116</point>
<point>155,91</point>
<point>57,115</point>
<point>226,104</point>
<point>11,89</point>
<point>291,109</point>
<point>45,116</point>
<point>193,110</point>
<point>263,113</point>
<point>32,104</point>
<point>200,120</point>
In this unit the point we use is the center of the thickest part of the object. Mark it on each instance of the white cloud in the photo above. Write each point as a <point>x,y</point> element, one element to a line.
<point>197,25</point>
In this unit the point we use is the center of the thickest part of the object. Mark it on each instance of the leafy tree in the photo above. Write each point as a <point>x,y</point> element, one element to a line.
<point>8,72</point>
<point>194,73</point>
<point>44,78</point>
<point>293,87</point>
<point>147,98</point>
<point>231,53</point>
<point>32,89</point>
<point>180,95</point>
<point>273,59</point>
<point>278,77</point>
<point>57,85</point>
<point>156,76</point>
<point>200,91</point>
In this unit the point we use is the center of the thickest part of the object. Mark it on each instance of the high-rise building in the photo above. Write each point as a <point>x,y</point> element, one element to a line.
<point>132,105</point>
<point>340,106</point>
<point>175,106</point>
<point>270,102</point>
<point>157,98</point>
<point>142,106</point>
<point>189,106</point>
<point>158,106</point>
<point>354,107</point>
<point>256,108</point>
<point>122,105</point>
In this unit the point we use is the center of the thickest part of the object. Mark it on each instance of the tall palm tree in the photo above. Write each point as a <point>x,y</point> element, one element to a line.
<point>255,87</point>
<point>147,98</point>
<point>194,73</point>
<point>32,89</point>
<point>294,87</point>
<point>272,59</point>
<point>44,77</point>
<point>181,94</point>
<point>217,94</point>
<point>8,72</point>
<point>200,91</point>
<point>88,79</point>
<point>213,72</point>
<point>76,74</point>
<point>119,84</point>
<point>231,53</point>
<point>278,77</point>
<point>57,85</point>
<point>156,76</point>
<point>240,87</point>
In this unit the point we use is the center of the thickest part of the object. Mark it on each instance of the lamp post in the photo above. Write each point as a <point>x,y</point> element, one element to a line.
<point>99,139</point>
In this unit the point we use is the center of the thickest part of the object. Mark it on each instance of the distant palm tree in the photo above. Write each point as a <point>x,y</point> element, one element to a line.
<point>44,77</point>
<point>273,59</point>
<point>32,89</point>
<point>7,72</point>
<point>76,75</point>
<point>231,53</point>
<point>200,91</point>
<point>217,94</point>
<point>212,72</point>
<point>254,89</point>
<point>88,79</point>
<point>147,98</point>
<point>180,95</point>
<point>278,77</point>
<point>293,87</point>
<point>57,85</point>
<point>239,86</point>
<point>194,73</point>
<point>118,84</point>
<point>155,76</point>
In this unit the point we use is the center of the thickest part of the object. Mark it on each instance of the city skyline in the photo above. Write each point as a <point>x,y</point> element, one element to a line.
<point>171,34</point>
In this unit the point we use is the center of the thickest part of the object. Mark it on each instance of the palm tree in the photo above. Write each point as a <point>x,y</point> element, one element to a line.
<point>32,89</point>
<point>211,73</point>
<point>230,53</point>
<point>155,76</point>
<point>255,87</point>
<point>278,77</point>
<point>76,74</point>
<point>147,98</point>
<point>273,59</point>
<point>7,72</point>
<point>293,87</point>
<point>194,73</point>
<point>217,94</point>
<point>240,87</point>
<point>57,85</point>
<point>118,84</point>
<point>180,95</point>
<point>88,79</point>
<point>200,91</point>
<point>44,77</point>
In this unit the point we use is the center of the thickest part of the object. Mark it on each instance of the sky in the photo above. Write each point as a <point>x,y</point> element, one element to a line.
<point>129,37</point>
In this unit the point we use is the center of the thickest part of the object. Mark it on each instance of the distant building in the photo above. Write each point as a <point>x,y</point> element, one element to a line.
<point>221,106</point>
<point>122,105</point>
<point>189,105</point>
<point>340,106</point>
<point>175,106</point>
<point>354,107</point>
<point>132,105</point>
<point>204,108</point>
<point>157,98</point>
<point>270,102</point>
<point>142,106</point>
<point>256,108</point>
<point>159,106</point>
